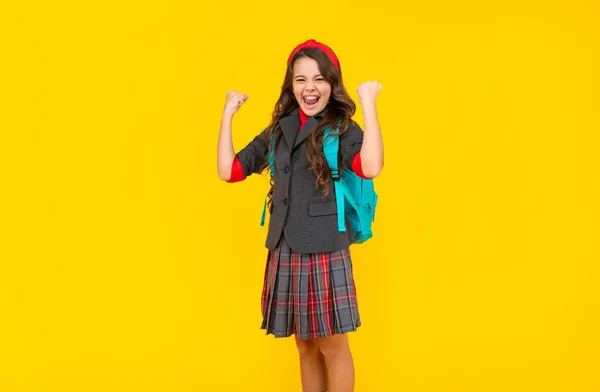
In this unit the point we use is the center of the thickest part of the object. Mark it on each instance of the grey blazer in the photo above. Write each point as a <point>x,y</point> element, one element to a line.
<point>298,210</point>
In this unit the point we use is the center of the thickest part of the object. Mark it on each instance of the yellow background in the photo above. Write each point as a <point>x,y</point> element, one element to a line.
<point>126,265</point>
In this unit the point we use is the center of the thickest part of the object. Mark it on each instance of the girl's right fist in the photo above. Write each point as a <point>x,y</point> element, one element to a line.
<point>234,101</point>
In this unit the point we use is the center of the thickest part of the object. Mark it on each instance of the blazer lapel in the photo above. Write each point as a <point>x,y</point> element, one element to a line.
<point>289,127</point>
<point>309,126</point>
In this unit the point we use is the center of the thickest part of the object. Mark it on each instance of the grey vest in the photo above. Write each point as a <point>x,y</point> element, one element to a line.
<point>298,210</point>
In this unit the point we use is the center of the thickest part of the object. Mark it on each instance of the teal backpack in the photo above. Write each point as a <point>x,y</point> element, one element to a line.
<point>355,196</point>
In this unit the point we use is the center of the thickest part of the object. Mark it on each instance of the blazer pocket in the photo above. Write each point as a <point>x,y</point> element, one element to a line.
<point>321,208</point>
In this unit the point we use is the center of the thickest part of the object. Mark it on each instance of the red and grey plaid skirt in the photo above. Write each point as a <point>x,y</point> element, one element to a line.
<point>308,294</point>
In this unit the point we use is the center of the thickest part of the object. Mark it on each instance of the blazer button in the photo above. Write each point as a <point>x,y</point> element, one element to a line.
<point>287,169</point>
<point>285,201</point>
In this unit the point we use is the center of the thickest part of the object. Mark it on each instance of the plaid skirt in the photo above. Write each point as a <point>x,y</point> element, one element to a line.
<point>308,294</point>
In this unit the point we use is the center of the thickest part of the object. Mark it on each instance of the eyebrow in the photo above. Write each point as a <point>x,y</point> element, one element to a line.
<point>302,76</point>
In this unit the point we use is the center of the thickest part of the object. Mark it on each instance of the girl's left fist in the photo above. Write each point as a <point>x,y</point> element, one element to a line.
<point>368,91</point>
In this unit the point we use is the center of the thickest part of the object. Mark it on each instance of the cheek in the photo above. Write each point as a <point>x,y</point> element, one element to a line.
<point>296,89</point>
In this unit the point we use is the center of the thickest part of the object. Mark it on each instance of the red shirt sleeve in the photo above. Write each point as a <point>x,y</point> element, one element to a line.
<point>357,166</point>
<point>237,171</point>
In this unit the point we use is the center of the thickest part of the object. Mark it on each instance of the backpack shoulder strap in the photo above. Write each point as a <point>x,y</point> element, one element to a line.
<point>331,147</point>
<point>272,170</point>
<point>272,155</point>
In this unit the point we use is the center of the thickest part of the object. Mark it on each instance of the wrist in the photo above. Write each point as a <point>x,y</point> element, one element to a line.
<point>370,105</point>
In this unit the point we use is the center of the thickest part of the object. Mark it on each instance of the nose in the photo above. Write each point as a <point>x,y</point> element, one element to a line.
<point>310,86</point>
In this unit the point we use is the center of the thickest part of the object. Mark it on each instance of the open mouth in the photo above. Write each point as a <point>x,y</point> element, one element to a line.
<point>310,101</point>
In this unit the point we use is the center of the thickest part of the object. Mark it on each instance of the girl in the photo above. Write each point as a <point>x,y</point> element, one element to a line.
<point>309,288</point>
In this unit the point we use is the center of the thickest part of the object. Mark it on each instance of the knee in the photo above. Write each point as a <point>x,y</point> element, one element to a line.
<point>307,347</point>
<point>333,346</point>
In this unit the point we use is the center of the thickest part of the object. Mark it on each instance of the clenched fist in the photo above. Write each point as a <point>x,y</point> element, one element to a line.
<point>234,102</point>
<point>368,91</point>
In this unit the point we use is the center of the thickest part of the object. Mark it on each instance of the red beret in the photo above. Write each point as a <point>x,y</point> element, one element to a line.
<point>311,43</point>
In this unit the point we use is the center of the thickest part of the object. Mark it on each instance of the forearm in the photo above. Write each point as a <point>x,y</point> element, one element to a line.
<point>372,148</point>
<point>225,150</point>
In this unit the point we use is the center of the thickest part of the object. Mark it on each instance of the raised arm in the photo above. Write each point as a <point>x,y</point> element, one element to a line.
<point>225,150</point>
<point>371,152</point>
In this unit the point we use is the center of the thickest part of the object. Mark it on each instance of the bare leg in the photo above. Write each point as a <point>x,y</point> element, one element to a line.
<point>340,366</point>
<point>313,370</point>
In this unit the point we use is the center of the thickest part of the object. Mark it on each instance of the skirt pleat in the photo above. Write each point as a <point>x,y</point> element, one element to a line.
<point>308,294</point>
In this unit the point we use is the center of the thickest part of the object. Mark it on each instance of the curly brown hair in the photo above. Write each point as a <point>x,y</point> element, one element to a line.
<point>341,108</point>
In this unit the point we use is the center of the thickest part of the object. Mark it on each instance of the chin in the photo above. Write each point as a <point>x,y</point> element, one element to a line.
<point>312,111</point>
